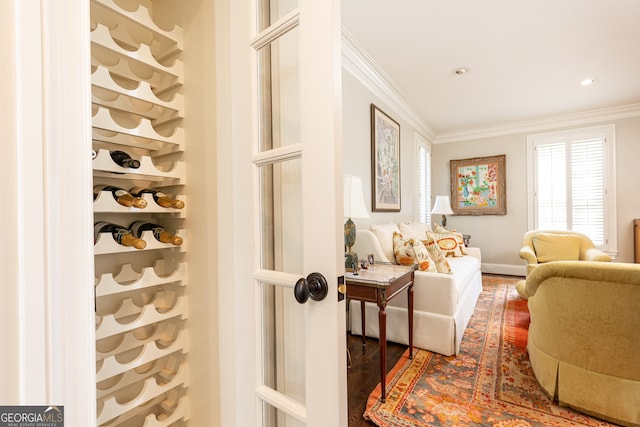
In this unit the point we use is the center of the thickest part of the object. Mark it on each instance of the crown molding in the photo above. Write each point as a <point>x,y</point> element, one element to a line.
<point>363,67</point>
<point>545,123</point>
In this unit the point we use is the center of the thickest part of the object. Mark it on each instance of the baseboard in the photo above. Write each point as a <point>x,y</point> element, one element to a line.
<point>507,269</point>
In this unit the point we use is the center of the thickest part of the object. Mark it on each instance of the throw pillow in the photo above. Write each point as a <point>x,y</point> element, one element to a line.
<point>556,247</point>
<point>403,249</point>
<point>411,252</point>
<point>422,258</point>
<point>384,234</point>
<point>437,228</point>
<point>414,230</point>
<point>442,265</point>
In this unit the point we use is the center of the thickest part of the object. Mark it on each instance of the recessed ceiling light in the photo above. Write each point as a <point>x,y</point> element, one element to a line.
<point>587,82</point>
<point>461,70</point>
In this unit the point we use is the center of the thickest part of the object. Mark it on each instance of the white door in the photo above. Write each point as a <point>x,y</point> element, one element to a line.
<point>299,347</point>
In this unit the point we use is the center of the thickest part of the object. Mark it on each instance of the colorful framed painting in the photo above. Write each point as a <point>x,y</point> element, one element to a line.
<point>478,186</point>
<point>385,162</point>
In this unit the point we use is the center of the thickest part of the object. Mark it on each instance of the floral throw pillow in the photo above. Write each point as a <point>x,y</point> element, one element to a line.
<point>422,258</point>
<point>442,265</point>
<point>411,252</point>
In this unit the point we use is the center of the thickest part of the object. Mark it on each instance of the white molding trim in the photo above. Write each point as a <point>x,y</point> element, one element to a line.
<point>357,61</point>
<point>363,67</point>
<point>540,124</point>
<point>67,169</point>
<point>507,269</point>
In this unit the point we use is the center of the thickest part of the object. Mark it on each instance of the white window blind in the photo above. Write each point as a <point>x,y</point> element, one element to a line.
<point>424,183</point>
<point>570,178</point>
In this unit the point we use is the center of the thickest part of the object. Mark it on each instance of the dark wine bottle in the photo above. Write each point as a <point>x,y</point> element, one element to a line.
<point>123,159</point>
<point>160,198</point>
<point>121,196</point>
<point>120,234</point>
<point>158,232</point>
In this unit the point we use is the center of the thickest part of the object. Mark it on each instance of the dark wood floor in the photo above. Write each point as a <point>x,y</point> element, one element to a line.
<point>364,374</point>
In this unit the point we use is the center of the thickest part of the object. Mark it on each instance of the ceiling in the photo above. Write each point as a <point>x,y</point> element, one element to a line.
<point>526,58</point>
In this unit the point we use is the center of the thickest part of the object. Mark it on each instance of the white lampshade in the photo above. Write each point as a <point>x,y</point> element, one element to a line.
<point>353,198</point>
<point>442,206</point>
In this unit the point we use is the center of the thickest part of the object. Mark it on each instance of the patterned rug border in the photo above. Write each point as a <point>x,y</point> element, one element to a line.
<point>502,394</point>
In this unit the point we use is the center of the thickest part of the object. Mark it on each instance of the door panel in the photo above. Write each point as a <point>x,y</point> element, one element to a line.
<point>300,348</point>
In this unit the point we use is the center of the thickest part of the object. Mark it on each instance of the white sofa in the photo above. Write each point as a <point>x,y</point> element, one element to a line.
<point>443,303</point>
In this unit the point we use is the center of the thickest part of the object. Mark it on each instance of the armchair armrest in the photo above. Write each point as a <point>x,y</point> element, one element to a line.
<point>527,253</point>
<point>593,254</point>
<point>583,270</point>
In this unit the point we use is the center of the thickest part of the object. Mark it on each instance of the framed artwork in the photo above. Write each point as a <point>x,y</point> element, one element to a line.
<point>385,162</point>
<point>478,186</point>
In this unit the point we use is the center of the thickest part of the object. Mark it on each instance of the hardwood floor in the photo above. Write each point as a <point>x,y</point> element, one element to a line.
<point>364,373</point>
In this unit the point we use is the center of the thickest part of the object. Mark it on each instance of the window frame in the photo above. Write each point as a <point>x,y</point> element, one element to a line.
<point>423,143</point>
<point>610,218</point>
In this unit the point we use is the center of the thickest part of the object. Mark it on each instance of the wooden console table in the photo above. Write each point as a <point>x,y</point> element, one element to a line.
<point>379,284</point>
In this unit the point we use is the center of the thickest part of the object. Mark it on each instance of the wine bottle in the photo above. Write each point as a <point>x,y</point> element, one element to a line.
<point>123,159</point>
<point>160,198</point>
<point>121,196</point>
<point>158,232</point>
<point>120,234</point>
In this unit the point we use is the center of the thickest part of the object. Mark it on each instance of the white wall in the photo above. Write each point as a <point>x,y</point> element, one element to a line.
<point>500,236</point>
<point>357,100</point>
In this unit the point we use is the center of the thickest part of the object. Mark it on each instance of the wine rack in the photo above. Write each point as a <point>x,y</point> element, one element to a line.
<point>142,370</point>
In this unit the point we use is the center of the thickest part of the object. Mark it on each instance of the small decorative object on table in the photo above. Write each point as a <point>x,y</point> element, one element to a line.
<point>353,208</point>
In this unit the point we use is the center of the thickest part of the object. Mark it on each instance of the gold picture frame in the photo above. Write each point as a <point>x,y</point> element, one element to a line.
<point>478,186</point>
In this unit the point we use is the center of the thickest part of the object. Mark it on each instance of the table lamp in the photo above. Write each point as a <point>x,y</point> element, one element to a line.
<point>442,206</point>
<point>353,208</point>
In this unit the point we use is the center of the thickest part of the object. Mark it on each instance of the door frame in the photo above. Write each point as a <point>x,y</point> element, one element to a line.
<point>50,286</point>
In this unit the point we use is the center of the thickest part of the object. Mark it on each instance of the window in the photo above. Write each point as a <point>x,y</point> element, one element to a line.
<point>424,180</point>
<point>571,184</point>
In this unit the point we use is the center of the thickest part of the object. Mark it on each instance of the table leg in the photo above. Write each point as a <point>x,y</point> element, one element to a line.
<point>362,322</point>
<point>382,327</point>
<point>410,312</point>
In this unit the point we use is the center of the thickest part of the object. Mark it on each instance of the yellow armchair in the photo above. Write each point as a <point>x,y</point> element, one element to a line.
<point>584,340</point>
<point>540,246</point>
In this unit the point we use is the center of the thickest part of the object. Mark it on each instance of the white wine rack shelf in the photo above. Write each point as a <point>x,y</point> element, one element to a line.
<point>149,352</point>
<point>152,387</point>
<point>107,245</point>
<point>128,280</point>
<point>137,107</point>
<point>105,203</point>
<point>131,317</point>
<point>107,120</point>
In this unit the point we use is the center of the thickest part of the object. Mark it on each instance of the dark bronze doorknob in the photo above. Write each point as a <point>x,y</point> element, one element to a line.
<point>314,286</point>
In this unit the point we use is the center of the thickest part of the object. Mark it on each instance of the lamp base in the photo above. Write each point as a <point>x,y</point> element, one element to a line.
<point>351,262</point>
<point>444,220</point>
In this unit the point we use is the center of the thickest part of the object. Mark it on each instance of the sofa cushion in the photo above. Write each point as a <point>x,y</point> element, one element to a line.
<point>442,266</point>
<point>412,252</point>
<point>556,247</point>
<point>414,230</point>
<point>384,234</point>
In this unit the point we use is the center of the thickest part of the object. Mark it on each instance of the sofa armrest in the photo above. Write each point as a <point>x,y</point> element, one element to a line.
<point>367,243</point>
<point>593,254</point>
<point>474,252</point>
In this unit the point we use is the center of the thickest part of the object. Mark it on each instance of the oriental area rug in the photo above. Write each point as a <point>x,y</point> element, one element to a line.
<point>490,383</point>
